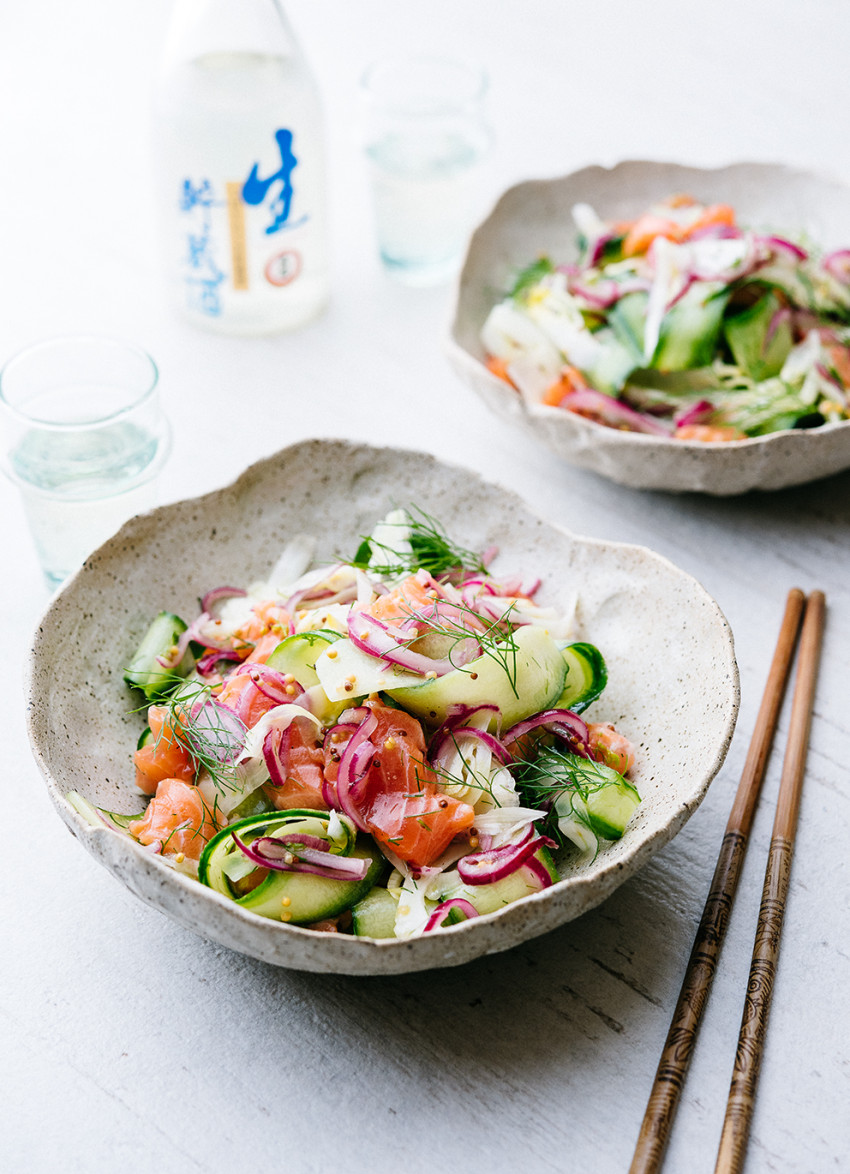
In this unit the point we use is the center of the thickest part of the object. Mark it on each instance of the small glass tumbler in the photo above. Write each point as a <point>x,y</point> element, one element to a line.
<point>424,138</point>
<point>84,439</point>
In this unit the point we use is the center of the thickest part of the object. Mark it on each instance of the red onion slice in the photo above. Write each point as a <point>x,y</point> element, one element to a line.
<point>484,868</point>
<point>305,840</point>
<point>613,412</point>
<point>598,249</point>
<point>206,666</point>
<point>218,593</point>
<point>715,232</point>
<point>264,853</point>
<point>837,264</point>
<point>696,414</point>
<point>352,766</point>
<point>567,725</point>
<point>829,378</point>
<point>275,746</point>
<point>492,743</point>
<point>540,871</point>
<point>270,682</point>
<point>780,244</point>
<point>371,636</point>
<point>442,911</point>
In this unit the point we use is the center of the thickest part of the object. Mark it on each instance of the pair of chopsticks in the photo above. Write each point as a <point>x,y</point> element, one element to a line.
<point>681,1038</point>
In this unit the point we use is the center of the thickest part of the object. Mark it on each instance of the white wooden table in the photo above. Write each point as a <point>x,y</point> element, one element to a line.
<point>131,1045</point>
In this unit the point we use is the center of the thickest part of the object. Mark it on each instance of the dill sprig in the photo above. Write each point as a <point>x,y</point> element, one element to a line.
<point>554,771</point>
<point>472,781</point>
<point>564,782</point>
<point>530,276</point>
<point>209,742</point>
<point>431,549</point>
<point>496,639</point>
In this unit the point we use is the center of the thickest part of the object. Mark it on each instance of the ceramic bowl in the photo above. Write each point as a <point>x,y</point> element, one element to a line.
<point>534,217</point>
<point>673,680</point>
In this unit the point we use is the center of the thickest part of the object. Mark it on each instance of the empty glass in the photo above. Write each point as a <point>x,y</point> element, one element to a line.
<point>84,439</point>
<point>424,137</point>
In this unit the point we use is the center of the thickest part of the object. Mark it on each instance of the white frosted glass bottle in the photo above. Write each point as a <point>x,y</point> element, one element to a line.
<point>239,154</point>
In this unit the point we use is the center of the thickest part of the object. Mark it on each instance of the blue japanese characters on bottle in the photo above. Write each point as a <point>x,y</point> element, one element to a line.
<point>243,202</point>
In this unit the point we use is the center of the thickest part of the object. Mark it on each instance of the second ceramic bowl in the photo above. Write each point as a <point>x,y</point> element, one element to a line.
<point>534,217</point>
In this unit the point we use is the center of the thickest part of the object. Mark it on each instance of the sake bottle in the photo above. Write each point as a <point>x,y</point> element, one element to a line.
<point>239,155</point>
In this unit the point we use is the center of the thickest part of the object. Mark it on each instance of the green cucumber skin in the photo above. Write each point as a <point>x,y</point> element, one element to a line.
<point>610,808</point>
<point>587,676</point>
<point>210,875</point>
<point>491,897</point>
<point>758,355</point>
<point>690,330</point>
<point>144,670</point>
<point>298,654</point>
<point>539,682</point>
<point>311,898</point>
<point>374,915</point>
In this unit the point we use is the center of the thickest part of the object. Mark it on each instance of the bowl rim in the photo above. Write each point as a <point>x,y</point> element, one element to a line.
<point>120,852</point>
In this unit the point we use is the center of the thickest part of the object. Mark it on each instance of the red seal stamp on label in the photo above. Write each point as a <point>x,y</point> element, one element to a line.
<point>283,268</point>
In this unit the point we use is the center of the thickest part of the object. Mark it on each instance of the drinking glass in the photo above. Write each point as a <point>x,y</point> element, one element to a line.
<point>84,439</point>
<point>424,138</point>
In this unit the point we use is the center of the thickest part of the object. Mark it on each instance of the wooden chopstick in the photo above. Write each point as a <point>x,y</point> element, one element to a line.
<point>681,1038</point>
<point>739,1108</point>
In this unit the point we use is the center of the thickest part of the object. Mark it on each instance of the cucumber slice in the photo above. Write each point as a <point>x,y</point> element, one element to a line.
<point>498,894</point>
<point>691,328</point>
<point>256,802</point>
<point>627,318</point>
<point>296,897</point>
<point>759,340</point>
<point>374,916</point>
<point>531,679</point>
<point>611,807</point>
<point>614,363</point>
<point>595,795</point>
<point>145,671</point>
<point>587,676</point>
<point>298,655</point>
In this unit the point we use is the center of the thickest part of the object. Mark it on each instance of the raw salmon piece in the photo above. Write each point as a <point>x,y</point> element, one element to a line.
<point>606,745</point>
<point>178,818</point>
<point>303,761</point>
<point>714,214</point>
<point>708,432</point>
<point>164,756</point>
<point>264,646</point>
<point>644,231</point>
<point>399,799</point>
<point>249,703</point>
<point>408,598</point>
<point>268,617</point>
<point>571,380</point>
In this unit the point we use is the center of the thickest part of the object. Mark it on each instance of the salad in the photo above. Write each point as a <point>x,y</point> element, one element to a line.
<point>385,746</point>
<point>681,324</point>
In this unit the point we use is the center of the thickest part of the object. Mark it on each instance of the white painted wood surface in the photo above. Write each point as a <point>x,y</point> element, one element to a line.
<point>131,1045</point>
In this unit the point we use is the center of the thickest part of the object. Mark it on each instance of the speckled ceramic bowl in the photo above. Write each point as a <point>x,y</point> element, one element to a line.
<point>673,681</point>
<point>534,218</point>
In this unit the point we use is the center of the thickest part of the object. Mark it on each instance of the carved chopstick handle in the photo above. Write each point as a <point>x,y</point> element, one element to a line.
<point>681,1038</point>
<point>739,1108</point>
